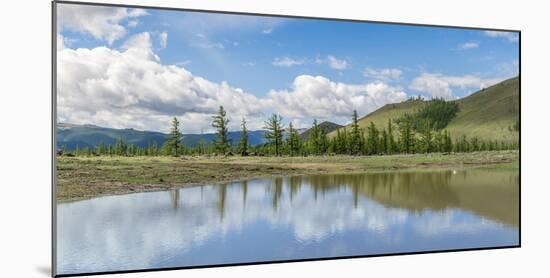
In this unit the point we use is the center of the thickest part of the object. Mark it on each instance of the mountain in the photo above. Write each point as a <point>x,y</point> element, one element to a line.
<point>489,114</point>
<point>326,126</point>
<point>72,135</point>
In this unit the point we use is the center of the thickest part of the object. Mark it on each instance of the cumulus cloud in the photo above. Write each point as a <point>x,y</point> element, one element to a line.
<point>510,36</point>
<point>468,45</point>
<point>163,39</point>
<point>131,88</point>
<point>287,62</point>
<point>103,23</point>
<point>385,74</point>
<point>319,97</point>
<point>437,85</point>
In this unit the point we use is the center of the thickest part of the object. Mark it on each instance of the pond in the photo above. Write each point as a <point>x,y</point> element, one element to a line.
<point>290,218</point>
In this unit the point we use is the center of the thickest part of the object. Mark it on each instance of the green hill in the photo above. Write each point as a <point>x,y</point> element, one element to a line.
<point>489,114</point>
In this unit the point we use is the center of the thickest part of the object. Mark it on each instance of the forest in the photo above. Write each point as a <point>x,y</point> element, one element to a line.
<point>420,132</point>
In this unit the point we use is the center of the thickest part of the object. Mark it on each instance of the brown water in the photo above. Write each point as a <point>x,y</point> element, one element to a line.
<point>291,218</point>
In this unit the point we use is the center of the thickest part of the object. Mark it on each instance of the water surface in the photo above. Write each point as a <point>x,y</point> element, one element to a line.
<point>290,218</point>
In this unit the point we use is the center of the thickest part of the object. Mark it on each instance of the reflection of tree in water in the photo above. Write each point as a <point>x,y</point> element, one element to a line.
<point>490,194</point>
<point>175,199</point>
<point>277,191</point>
<point>222,193</point>
<point>295,184</point>
<point>244,189</point>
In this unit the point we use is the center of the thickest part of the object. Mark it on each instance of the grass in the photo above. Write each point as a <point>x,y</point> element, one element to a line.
<point>487,114</point>
<point>87,177</point>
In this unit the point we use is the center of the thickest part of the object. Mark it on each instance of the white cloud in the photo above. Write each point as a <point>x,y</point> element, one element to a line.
<point>104,23</point>
<point>184,63</point>
<point>60,42</point>
<point>267,31</point>
<point>332,62</point>
<point>131,88</point>
<point>468,45</point>
<point>208,45</point>
<point>510,36</point>
<point>386,74</point>
<point>319,97</point>
<point>163,39</point>
<point>139,41</point>
<point>437,85</point>
<point>132,23</point>
<point>336,63</point>
<point>287,62</point>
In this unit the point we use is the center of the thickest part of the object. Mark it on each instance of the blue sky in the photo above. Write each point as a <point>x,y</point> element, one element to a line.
<point>285,64</point>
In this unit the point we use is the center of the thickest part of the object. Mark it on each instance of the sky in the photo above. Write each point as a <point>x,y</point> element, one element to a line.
<point>139,68</point>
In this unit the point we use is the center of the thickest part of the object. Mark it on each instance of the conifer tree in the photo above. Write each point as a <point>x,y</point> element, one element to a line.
<point>294,144</point>
<point>384,142</point>
<point>391,140</point>
<point>372,139</point>
<point>314,139</point>
<point>406,137</point>
<point>355,136</point>
<point>243,142</point>
<point>274,132</point>
<point>220,122</point>
<point>173,142</point>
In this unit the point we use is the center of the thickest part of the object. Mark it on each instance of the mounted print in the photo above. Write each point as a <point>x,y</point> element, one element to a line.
<point>188,138</point>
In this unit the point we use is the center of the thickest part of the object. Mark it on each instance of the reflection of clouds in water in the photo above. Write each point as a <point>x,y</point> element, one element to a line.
<point>451,222</point>
<point>160,229</point>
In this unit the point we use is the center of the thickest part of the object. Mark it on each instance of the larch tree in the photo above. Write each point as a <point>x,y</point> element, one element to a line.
<point>220,122</point>
<point>243,142</point>
<point>355,136</point>
<point>274,132</point>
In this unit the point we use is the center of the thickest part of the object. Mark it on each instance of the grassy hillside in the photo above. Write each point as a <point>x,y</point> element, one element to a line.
<point>489,114</point>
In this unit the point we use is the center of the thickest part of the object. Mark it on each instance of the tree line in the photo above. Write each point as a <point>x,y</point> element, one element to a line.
<point>421,132</point>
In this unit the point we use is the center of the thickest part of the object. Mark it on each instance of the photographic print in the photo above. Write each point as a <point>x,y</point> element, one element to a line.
<point>189,138</point>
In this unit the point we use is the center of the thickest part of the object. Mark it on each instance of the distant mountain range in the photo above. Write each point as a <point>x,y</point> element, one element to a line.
<point>72,135</point>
